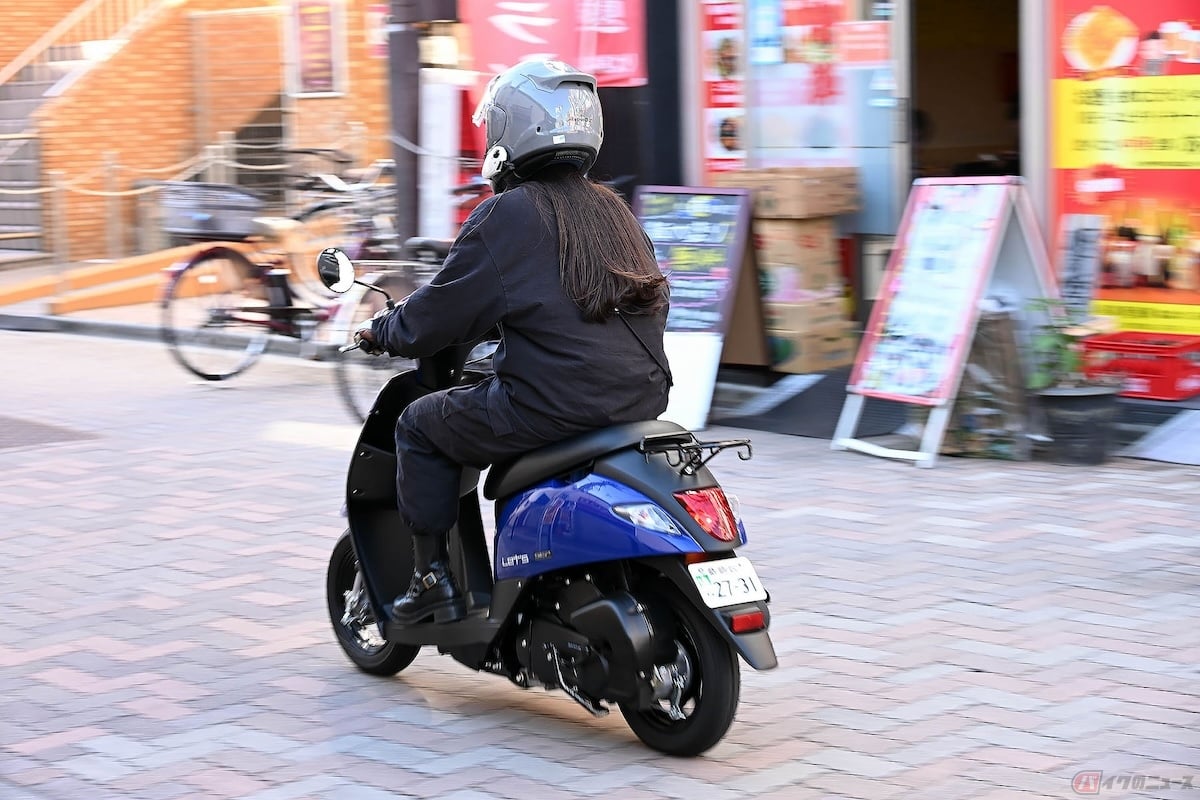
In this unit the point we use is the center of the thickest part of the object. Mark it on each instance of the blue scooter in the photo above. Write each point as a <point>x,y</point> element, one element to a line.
<point>615,579</point>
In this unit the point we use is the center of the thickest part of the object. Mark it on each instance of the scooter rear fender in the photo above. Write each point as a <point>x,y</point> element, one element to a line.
<point>755,648</point>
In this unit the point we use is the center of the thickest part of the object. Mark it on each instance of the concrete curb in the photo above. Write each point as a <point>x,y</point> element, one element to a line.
<point>49,323</point>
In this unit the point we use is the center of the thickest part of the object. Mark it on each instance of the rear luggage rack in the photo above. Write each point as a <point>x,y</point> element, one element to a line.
<point>686,452</point>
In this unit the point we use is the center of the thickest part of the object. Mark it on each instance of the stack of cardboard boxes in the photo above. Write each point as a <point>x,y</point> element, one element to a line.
<point>796,247</point>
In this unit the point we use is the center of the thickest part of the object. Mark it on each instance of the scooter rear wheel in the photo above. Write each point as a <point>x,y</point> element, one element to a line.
<point>712,684</point>
<point>353,619</point>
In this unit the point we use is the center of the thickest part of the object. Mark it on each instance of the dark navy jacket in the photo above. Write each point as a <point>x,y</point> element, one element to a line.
<point>556,371</point>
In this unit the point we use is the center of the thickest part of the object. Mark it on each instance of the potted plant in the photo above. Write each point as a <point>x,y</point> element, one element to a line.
<point>1080,404</point>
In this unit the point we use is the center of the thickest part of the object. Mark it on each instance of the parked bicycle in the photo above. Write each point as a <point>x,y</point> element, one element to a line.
<point>347,208</point>
<point>225,306</point>
<point>254,285</point>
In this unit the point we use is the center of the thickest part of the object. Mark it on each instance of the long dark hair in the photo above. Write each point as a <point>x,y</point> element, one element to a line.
<point>606,261</point>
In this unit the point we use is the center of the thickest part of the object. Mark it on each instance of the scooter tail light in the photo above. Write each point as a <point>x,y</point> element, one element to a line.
<point>712,512</point>
<point>748,621</point>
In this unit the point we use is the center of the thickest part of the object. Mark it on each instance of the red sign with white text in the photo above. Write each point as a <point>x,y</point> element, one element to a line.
<point>606,38</point>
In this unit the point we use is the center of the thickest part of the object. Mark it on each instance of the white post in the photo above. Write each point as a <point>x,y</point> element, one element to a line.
<point>62,250</point>
<point>114,229</point>
<point>1035,115</point>
<point>229,156</point>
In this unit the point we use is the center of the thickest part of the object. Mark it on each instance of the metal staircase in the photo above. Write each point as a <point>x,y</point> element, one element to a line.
<point>46,69</point>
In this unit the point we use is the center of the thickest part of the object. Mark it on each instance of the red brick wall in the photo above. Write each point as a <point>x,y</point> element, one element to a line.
<point>24,22</point>
<point>140,106</point>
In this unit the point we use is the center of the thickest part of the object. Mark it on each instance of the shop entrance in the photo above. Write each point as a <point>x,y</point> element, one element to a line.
<point>964,88</point>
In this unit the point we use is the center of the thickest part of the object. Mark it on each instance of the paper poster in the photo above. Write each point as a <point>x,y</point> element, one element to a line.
<point>723,88</point>
<point>318,28</point>
<point>375,20</point>
<point>918,333</point>
<point>802,108</point>
<point>1125,120</point>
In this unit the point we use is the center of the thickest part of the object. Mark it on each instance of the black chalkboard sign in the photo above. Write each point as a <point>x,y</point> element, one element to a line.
<point>1079,260</point>
<point>700,238</point>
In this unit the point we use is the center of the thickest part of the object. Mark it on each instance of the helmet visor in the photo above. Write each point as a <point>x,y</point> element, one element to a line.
<point>486,103</point>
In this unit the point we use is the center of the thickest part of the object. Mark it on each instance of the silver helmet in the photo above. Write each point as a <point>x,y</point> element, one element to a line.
<point>539,113</point>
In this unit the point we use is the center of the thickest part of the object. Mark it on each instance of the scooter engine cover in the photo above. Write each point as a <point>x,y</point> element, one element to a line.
<point>616,627</point>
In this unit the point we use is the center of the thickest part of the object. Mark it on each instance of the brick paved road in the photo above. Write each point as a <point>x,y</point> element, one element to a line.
<point>979,630</point>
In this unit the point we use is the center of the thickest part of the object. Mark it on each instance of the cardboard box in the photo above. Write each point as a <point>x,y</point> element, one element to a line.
<point>796,192</point>
<point>806,315</point>
<point>798,242</point>
<point>781,283</point>
<point>817,350</point>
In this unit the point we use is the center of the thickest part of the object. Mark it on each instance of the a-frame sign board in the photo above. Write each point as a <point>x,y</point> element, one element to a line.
<point>703,244</point>
<point>961,240</point>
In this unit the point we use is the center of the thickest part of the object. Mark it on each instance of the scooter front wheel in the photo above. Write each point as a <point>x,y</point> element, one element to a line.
<point>354,620</point>
<point>708,678</point>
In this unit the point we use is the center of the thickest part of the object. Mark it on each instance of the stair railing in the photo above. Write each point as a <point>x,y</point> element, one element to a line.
<point>94,23</point>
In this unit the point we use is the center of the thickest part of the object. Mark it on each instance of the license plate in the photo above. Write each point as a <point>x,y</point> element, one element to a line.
<point>727,582</point>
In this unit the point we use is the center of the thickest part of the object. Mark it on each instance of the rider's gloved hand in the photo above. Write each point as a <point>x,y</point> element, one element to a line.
<point>366,341</point>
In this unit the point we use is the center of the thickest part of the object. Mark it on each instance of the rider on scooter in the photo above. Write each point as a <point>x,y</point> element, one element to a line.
<point>563,268</point>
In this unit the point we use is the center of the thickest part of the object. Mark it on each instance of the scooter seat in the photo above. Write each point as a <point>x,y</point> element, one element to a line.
<point>522,472</point>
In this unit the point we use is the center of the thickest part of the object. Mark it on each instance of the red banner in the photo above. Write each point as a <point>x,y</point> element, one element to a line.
<point>606,38</point>
<point>722,77</point>
<point>1125,146</point>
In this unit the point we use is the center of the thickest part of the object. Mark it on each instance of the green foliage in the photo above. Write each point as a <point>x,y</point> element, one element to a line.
<point>1056,345</point>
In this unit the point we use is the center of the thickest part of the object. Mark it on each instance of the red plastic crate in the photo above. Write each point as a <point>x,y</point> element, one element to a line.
<point>1155,366</point>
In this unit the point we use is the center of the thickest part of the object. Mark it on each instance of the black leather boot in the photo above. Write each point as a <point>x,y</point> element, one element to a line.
<point>432,591</point>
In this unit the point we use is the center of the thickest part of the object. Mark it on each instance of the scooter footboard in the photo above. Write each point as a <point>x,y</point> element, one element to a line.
<point>754,647</point>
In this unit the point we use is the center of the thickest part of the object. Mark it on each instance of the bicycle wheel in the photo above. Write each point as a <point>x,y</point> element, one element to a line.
<point>215,315</point>
<point>330,223</point>
<point>360,376</point>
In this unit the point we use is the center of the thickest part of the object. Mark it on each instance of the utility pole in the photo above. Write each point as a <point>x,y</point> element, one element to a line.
<point>404,87</point>
<point>404,66</point>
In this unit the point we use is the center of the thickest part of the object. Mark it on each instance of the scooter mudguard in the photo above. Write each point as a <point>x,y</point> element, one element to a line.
<point>756,647</point>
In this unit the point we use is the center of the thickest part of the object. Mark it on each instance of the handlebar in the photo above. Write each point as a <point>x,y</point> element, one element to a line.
<point>362,179</point>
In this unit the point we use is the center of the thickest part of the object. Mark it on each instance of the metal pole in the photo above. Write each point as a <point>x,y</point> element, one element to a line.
<point>228,147</point>
<point>114,232</point>
<point>1035,111</point>
<point>404,65</point>
<point>62,250</point>
<point>358,144</point>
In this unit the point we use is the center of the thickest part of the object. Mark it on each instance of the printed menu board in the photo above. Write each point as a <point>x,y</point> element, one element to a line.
<point>916,340</point>
<point>699,237</point>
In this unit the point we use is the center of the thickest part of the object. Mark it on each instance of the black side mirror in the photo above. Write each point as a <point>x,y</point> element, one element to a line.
<point>336,270</point>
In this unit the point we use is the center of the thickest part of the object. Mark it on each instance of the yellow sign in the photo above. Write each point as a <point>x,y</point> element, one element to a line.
<point>1154,317</point>
<point>1129,122</point>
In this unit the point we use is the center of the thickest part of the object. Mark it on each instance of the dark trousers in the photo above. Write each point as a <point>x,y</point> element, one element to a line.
<point>438,434</point>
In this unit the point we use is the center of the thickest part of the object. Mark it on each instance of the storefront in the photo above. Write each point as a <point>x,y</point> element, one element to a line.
<point>1093,105</point>
<point>1124,112</point>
